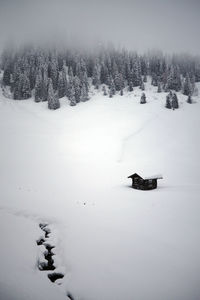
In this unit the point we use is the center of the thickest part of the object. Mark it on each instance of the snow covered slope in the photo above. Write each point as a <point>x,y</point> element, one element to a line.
<point>69,167</point>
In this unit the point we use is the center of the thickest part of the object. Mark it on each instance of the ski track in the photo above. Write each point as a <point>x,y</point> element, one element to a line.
<point>132,135</point>
<point>37,218</point>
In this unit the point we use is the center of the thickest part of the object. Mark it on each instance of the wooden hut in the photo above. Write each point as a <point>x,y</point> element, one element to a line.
<point>146,183</point>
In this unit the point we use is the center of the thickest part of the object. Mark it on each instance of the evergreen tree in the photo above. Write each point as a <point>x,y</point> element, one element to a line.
<point>72,96</point>
<point>174,79</point>
<point>104,90</point>
<point>25,87</point>
<point>52,98</point>
<point>77,88</point>
<point>143,99</point>
<point>44,85</point>
<point>121,92</point>
<point>159,87</point>
<point>177,79</point>
<point>108,81</point>
<point>62,83</point>
<point>71,73</point>
<point>84,81</point>
<point>197,71</point>
<point>127,68</point>
<point>130,87</point>
<point>192,84</point>
<point>154,80</point>
<point>145,78</point>
<point>17,95</point>
<point>70,82</point>
<point>22,88</point>
<point>32,76</point>
<point>96,75</point>
<point>144,66</point>
<point>7,75</point>
<point>53,71</point>
<point>84,94</point>
<point>112,87</point>
<point>187,88</point>
<point>168,102</point>
<point>189,99</point>
<point>175,104</point>
<point>119,84</point>
<point>142,87</point>
<point>12,83</point>
<point>16,71</point>
<point>136,73</point>
<point>104,73</point>
<point>38,87</point>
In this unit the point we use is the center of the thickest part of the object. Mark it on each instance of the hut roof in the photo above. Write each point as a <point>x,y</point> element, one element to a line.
<point>134,175</point>
<point>158,176</point>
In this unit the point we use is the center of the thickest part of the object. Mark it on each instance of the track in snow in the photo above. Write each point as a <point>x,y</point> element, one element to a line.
<point>126,139</point>
<point>46,258</point>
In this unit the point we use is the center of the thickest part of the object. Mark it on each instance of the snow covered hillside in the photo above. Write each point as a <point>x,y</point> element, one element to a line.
<point>69,168</point>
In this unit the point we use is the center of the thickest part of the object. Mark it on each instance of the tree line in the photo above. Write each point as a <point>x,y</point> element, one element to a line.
<point>50,74</point>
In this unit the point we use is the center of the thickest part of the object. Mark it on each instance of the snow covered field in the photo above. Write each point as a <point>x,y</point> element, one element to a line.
<point>69,168</point>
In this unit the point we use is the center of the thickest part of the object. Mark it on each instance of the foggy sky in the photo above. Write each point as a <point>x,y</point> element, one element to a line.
<point>169,25</point>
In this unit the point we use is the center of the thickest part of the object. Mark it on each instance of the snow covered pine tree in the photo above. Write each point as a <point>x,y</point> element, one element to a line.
<point>52,98</point>
<point>143,99</point>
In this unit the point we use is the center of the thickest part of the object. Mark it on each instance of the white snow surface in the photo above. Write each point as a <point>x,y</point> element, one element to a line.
<point>69,168</point>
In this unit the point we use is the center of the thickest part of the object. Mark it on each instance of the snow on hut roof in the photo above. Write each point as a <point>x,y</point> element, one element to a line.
<point>158,176</point>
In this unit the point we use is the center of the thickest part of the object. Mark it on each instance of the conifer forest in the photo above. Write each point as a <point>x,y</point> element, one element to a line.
<point>49,75</point>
